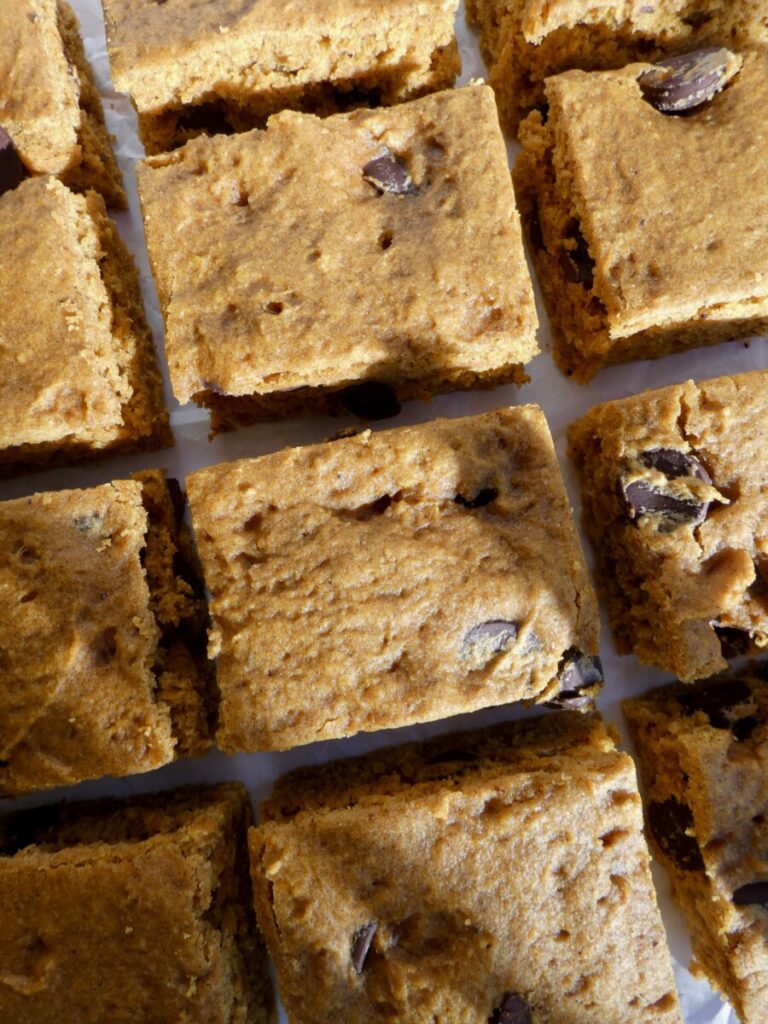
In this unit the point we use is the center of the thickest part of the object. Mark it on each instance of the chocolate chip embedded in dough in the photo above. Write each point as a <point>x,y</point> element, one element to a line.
<point>480,500</point>
<point>578,672</point>
<point>12,170</point>
<point>642,497</point>
<point>715,699</point>
<point>578,265</point>
<point>670,821</point>
<point>489,638</point>
<point>387,173</point>
<point>684,82</point>
<point>752,894</point>
<point>673,463</point>
<point>512,1009</point>
<point>734,642</point>
<point>361,944</point>
<point>371,400</point>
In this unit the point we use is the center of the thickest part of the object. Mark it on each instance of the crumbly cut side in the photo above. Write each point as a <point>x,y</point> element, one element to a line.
<point>616,287</point>
<point>682,554</point>
<point>442,559</point>
<point>103,672</point>
<point>525,42</point>
<point>88,889</point>
<point>80,377</point>
<point>703,755</point>
<point>228,67</point>
<point>288,273</point>
<point>406,900</point>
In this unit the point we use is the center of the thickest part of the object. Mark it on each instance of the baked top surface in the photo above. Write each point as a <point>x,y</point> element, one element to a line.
<point>532,882</point>
<point>674,209</point>
<point>279,265</point>
<point>373,541</point>
<point>77,639</point>
<point>39,91</point>
<point>59,375</point>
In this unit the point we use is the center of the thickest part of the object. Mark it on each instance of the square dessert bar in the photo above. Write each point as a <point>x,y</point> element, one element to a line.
<point>51,118</point>
<point>648,228</point>
<point>78,373</point>
<point>342,263</point>
<point>703,754</point>
<point>675,498</point>
<point>500,877</point>
<point>134,911</point>
<point>102,660</point>
<point>227,65</point>
<point>393,578</point>
<point>526,41</point>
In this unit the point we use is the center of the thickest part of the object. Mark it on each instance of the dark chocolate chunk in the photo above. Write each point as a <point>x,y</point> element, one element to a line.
<point>490,637</point>
<point>578,672</point>
<point>387,173</point>
<point>684,82</point>
<point>371,400</point>
<point>669,821</point>
<point>734,642</point>
<point>715,699</point>
<point>361,944</point>
<point>753,893</point>
<point>578,265</point>
<point>512,1009</point>
<point>12,170</point>
<point>481,499</point>
<point>673,463</point>
<point>641,497</point>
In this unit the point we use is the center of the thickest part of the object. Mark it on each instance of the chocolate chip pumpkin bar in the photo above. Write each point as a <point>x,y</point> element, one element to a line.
<point>499,876</point>
<point>225,65</point>
<point>341,264</point>
<point>102,669</point>
<point>392,578</point>
<point>674,497</point>
<point>703,754</point>
<point>526,41</point>
<point>78,373</point>
<point>50,109</point>
<point>644,201</point>
<point>131,911</point>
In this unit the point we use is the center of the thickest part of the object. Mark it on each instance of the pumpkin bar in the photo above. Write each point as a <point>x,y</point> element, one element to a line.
<point>675,504</point>
<point>78,372</point>
<point>525,42</point>
<point>51,118</point>
<point>640,194</point>
<point>500,876</point>
<point>341,264</point>
<point>225,65</point>
<point>392,578</point>
<point>132,911</point>
<point>102,643</point>
<point>703,753</point>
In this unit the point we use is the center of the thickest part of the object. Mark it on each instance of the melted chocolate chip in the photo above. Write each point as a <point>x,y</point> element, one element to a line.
<point>371,400</point>
<point>685,82</point>
<point>490,637</point>
<point>12,170</point>
<point>752,894</point>
<point>480,500</point>
<point>578,672</point>
<point>361,944</point>
<point>512,1009</point>
<point>389,174</point>
<point>669,821</point>
<point>734,642</point>
<point>673,463</point>
<point>641,497</point>
<point>715,699</point>
<point>578,265</point>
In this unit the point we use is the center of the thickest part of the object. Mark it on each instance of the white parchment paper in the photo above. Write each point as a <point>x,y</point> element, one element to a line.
<point>562,401</point>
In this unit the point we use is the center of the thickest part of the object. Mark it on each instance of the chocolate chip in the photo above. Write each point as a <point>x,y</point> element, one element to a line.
<point>684,82</point>
<point>715,699</point>
<point>88,521</point>
<point>489,637</point>
<point>734,642</point>
<point>577,672</point>
<point>371,400</point>
<point>753,893</point>
<point>641,497</point>
<point>578,265</point>
<point>669,821</point>
<point>12,170</point>
<point>673,463</point>
<point>361,944</point>
<point>481,499</point>
<point>389,174</point>
<point>512,1009</point>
